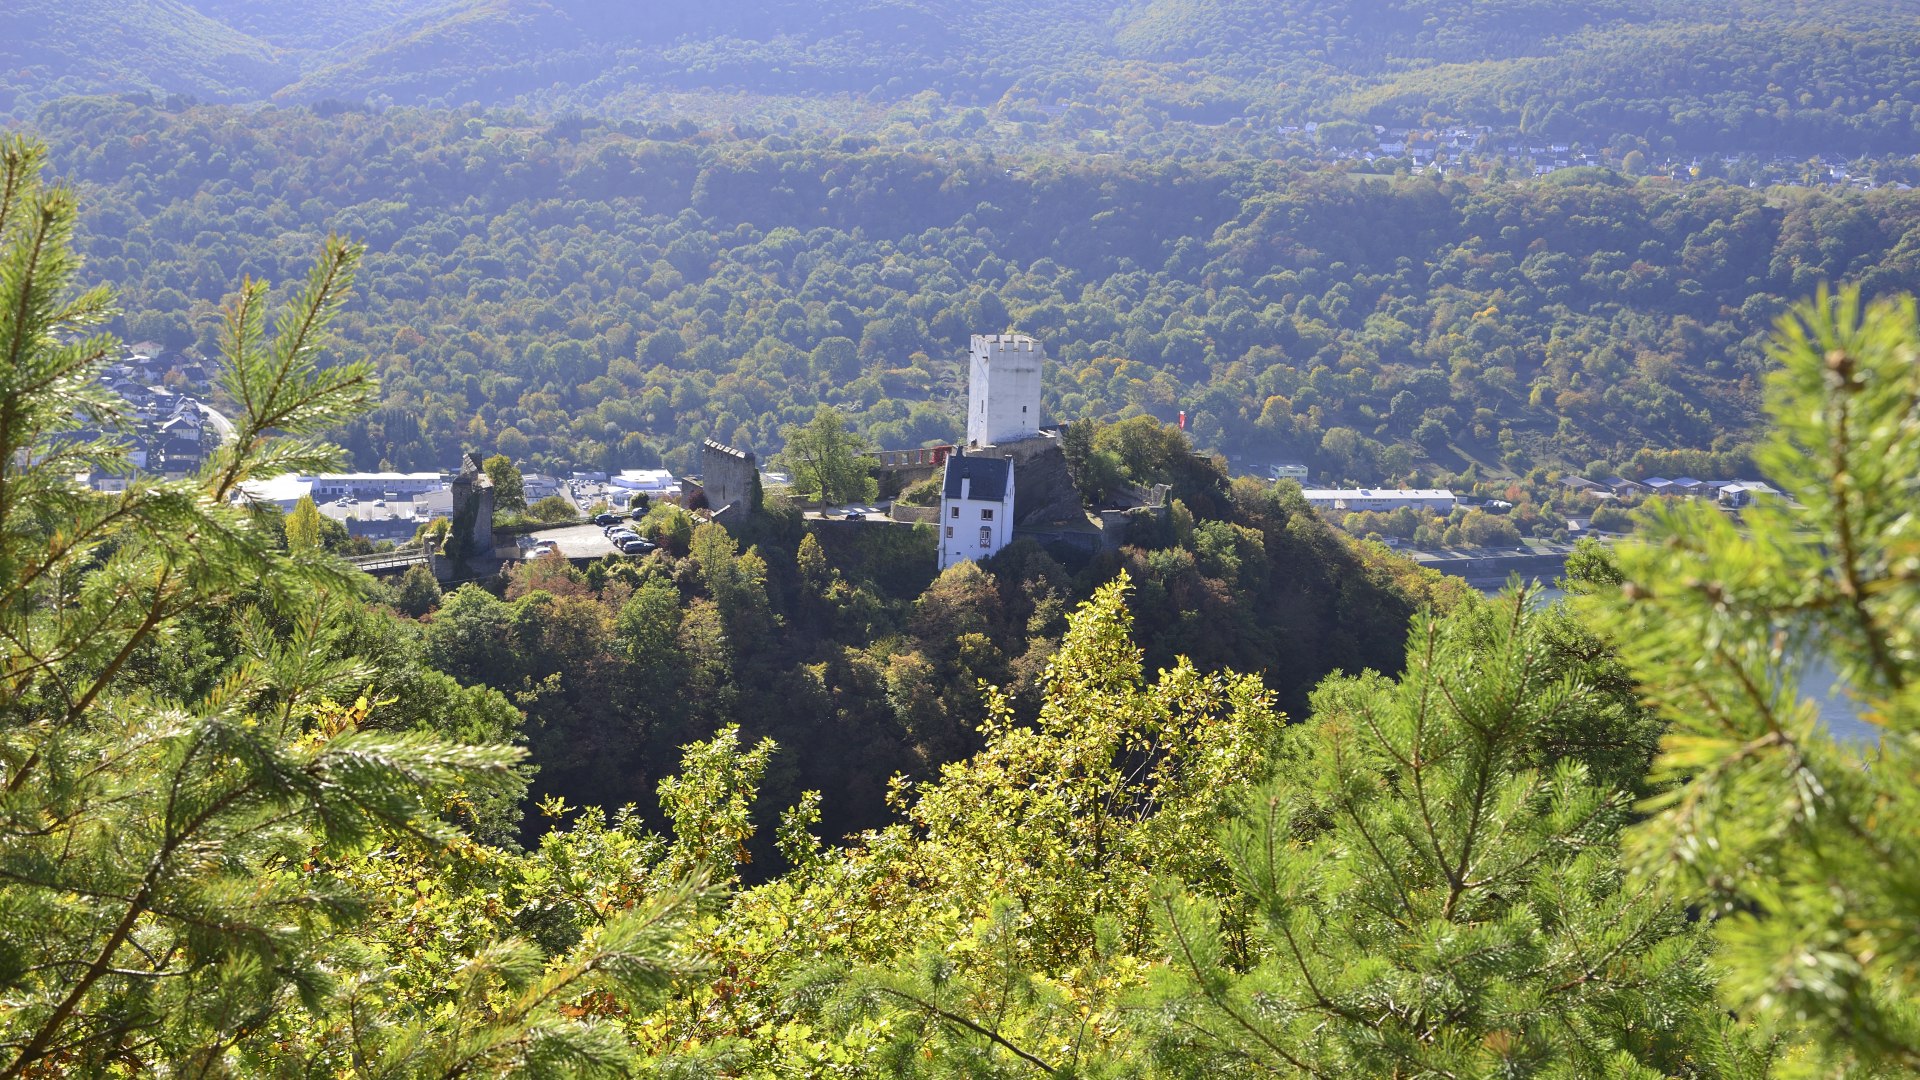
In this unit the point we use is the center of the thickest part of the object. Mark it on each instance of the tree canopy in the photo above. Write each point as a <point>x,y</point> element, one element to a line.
<point>260,815</point>
<point>606,295</point>
<point>827,460</point>
<point>180,874</point>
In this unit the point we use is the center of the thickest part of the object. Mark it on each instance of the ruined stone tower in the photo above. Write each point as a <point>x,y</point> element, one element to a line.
<point>728,476</point>
<point>471,534</point>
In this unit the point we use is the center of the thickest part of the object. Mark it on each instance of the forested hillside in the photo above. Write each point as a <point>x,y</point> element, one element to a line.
<point>49,49</point>
<point>1214,786</point>
<point>254,822</point>
<point>585,294</point>
<point>1757,76</point>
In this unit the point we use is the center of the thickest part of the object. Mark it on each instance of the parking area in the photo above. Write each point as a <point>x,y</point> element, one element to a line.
<point>852,512</point>
<point>573,541</point>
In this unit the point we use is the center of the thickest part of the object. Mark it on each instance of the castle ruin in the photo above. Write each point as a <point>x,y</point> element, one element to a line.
<point>729,477</point>
<point>471,533</point>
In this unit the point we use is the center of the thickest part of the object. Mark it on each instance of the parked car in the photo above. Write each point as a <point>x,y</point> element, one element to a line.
<point>606,519</point>
<point>621,536</point>
<point>544,547</point>
<point>856,515</point>
<point>637,546</point>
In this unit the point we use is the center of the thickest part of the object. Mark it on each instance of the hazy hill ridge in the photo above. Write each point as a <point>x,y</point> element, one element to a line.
<point>1755,75</point>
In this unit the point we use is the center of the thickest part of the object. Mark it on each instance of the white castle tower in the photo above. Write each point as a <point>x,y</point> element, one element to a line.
<point>1003,390</point>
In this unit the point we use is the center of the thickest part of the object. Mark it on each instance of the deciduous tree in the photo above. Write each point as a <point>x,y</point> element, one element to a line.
<point>509,490</point>
<point>827,460</point>
<point>303,525</point>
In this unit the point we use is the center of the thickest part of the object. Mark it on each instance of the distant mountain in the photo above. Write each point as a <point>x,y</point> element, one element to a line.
<point>311,27</point>
<point>79,46</point>
<point>1758,75</point>
<point>493,50</point>
<point>486,50</point>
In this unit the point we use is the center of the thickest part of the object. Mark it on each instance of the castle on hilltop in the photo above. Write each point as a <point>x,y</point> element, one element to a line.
<point>977,510</point>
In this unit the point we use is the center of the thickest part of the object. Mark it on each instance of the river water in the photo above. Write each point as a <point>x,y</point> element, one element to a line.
<point>1819,683</point>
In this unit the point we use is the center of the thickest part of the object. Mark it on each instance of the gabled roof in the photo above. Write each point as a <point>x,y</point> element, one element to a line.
<point>990,477</point>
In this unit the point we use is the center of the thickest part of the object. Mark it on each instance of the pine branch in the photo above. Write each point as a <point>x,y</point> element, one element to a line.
<point>960,1021</point>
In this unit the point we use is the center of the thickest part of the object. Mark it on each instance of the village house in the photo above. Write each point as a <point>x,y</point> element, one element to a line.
<point>976,508</point>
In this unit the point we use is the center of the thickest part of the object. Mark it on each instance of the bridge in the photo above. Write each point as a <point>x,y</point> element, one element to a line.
<point>392,562</point>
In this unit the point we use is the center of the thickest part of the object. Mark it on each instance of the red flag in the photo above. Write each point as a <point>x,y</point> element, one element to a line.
<point>1183,419</point>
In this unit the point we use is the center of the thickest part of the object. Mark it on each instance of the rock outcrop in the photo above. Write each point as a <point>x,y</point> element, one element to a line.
<point>1043,492</point>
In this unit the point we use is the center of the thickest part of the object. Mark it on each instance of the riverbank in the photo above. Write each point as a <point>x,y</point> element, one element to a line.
<point>1818,681</point>
<point>1489,571</point>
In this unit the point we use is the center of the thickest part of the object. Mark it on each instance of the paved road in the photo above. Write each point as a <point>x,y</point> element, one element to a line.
<point>576,541</point>
<point>220,423</point>
<point>872,512</point>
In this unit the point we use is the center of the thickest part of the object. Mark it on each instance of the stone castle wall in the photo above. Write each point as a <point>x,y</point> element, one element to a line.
<point>471,534</point>
<point>727,475</point>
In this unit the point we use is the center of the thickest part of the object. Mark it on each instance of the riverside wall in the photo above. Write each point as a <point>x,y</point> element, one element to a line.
<point>1496,569</point>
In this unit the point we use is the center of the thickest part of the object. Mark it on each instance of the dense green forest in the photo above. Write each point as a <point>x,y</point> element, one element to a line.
<point>844,646</point>
<point>256,821</point>
<point>590,294</point>
<point>1247,794</point>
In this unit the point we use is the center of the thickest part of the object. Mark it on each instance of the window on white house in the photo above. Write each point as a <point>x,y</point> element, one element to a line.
<point>986,515</point>
<point>955,514</point>
<point>986,536</point>
<point>949,532</point>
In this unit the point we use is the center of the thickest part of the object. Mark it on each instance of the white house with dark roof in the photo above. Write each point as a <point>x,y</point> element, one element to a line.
<point>976,508</point>
<point>1747,492</point>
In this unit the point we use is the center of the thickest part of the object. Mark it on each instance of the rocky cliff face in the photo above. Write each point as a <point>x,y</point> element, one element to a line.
<point>1043,491</point>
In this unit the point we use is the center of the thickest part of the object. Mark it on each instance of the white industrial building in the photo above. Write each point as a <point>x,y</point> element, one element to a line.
<point>1003,388</point>
<point>289,488</point>
<point>375,485</point>
<point>654,482</point>
<point>976,508</point>
<point>1747,492</point>
<point>1380,500</point>
<point>283,491</point>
